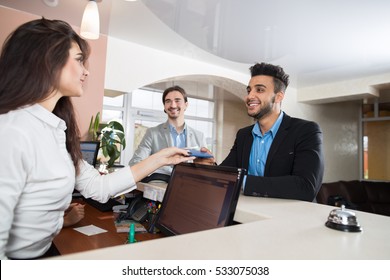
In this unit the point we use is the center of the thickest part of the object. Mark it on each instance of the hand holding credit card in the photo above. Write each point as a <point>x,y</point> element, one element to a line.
<point>198,154</point>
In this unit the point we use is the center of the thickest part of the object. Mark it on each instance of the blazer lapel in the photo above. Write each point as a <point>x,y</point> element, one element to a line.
<point>167,134</point>
<point>189,137</point>
<point>248,141</point>
<point>280,136</point>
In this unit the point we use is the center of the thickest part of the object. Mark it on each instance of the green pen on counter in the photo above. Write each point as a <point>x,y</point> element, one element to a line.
<point>132,234</point>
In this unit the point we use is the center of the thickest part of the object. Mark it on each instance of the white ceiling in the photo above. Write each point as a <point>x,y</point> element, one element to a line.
<point>316,41</point>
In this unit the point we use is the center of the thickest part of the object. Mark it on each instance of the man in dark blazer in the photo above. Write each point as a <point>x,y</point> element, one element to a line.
<point>283,155</point>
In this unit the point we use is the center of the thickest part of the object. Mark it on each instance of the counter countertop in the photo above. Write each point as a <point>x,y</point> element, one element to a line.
<point>271,229</point>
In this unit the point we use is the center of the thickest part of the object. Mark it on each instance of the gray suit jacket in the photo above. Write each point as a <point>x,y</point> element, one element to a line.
<point>159,137</point>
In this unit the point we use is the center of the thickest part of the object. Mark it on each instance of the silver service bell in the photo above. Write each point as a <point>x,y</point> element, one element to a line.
<point>344,220</point>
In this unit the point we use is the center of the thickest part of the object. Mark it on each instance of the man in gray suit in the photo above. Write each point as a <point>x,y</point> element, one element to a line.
<point>174,132</point>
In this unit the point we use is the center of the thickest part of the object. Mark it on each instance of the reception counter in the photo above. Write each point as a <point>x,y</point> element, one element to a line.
<point>269,229</point>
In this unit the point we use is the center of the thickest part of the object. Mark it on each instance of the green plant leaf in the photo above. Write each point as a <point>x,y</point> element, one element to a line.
<point>123,143</point>
<point>90,129</point>
<point>113,153</point>
<point>112,141</point>
<point>97,122</point>
<point>93,129</point>
<point>116,126</point>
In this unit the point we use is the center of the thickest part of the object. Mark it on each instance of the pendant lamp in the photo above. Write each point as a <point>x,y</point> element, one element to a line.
<point>90,24</point>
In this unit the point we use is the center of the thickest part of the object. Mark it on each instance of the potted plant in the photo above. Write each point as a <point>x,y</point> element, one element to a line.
<point>111,137</point>
<point>93,129</point>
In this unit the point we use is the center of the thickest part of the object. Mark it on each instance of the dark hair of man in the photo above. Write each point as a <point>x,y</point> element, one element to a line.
<point>31,62</point>
<point>174,88</point>
<point>281,79</point>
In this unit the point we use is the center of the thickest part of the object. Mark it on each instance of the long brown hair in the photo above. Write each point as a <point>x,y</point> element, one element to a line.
<point>31,62</point>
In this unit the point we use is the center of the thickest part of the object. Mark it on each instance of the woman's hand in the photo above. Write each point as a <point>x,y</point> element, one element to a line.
<point>174,155</point>
<point>167,156</point>
<point>74,214</point>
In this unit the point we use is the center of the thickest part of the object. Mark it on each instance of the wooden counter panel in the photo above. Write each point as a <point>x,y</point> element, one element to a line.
<point>71,241</point>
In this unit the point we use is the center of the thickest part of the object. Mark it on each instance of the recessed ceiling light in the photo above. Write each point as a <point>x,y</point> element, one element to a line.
<point>51,3</point>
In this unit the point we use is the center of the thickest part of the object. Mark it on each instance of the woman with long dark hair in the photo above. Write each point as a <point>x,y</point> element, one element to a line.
<point>42,65</point>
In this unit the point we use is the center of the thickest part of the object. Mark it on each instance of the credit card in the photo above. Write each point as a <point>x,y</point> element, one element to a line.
<point>199,154</point>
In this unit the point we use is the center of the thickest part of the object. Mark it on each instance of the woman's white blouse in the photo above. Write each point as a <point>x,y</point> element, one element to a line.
<point>37,178</point>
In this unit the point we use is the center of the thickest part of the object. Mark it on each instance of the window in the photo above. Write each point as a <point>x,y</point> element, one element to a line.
<point>376,140</point>
<point>200,108</point>
<point>113,106</point>
<point>147,99</point>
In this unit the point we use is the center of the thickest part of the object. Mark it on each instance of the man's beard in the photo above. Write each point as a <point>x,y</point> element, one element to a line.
<point>173,116</point>
<point>263,111</point>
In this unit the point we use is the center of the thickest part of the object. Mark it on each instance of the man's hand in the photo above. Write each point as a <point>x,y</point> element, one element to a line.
<point>206,161</point>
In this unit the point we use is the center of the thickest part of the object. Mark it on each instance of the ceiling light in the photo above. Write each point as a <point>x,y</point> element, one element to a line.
<point>50,3</point>
<point>90,24</point>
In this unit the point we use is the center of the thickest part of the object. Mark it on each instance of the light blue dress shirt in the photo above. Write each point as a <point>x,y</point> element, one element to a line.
<point>178,139</point>
<point>260,148</point>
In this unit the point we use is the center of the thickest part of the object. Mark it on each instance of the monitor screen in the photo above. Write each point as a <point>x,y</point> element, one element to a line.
<point>199,197</point>
<point>90,150</point>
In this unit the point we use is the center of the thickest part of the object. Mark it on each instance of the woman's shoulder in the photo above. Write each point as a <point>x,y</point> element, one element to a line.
<point>16,131</point>
<point>20,124</point>
<point>15,120</point>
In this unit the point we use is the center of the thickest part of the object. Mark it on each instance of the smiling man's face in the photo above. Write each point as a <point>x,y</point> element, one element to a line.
<point>174,104</point>
<point>261,97</point>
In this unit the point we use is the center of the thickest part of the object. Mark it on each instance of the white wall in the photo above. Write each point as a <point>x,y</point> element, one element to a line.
<point>339,122</point>
<point>233,116</point>
<point>131,66</point>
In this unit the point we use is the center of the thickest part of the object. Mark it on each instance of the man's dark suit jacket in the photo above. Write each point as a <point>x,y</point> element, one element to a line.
<point>295,163</point>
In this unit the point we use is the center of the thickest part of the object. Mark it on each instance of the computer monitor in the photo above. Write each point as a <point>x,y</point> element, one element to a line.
<point>199,197</point>
<point>90,150</point>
